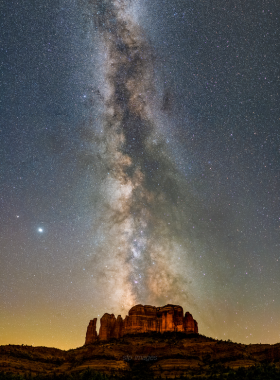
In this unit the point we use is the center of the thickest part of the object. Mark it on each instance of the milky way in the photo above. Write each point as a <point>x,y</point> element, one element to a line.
<point>146,219</point>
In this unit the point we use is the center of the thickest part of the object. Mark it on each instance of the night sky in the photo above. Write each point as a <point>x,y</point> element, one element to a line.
<point>139,164</point>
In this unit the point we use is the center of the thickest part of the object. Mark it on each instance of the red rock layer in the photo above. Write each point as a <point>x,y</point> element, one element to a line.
<point>190,324</point>
<point>142,319</point>
<point>91,335</point>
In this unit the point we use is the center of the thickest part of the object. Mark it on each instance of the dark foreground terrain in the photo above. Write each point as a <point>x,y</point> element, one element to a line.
<point>144,356</point>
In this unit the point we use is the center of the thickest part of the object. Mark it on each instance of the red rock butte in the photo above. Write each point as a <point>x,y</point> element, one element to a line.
<point>142,319</point>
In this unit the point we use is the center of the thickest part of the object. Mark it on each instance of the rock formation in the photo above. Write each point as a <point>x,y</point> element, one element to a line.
<point>141,319</point>
<point>190,324</point>
<point>91,335</point>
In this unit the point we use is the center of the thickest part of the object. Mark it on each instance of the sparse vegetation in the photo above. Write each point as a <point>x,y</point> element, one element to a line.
<point>144,356</point>
<point>140,372</point>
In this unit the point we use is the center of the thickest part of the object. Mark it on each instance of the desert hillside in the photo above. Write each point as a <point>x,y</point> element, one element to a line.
<point>163,355</point>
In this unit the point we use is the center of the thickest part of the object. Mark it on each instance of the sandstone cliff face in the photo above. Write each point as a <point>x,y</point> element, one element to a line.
<point>141,319</point>
<point>190,324</point>
<point>107,324</point>
<point>171,318</point>
<point>118,330</point>
<point>91,335</point>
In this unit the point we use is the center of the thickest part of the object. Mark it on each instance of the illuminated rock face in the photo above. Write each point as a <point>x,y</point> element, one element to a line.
<point>141,319</point>
<point>91,335</point>
<point>107,324</point>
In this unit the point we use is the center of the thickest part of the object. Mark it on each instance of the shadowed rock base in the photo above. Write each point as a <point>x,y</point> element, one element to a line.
<point>142,319</point>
